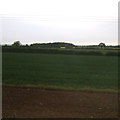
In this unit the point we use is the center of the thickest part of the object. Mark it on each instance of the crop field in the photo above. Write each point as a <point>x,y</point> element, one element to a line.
<point>70,72</point>
<point>70,51</point>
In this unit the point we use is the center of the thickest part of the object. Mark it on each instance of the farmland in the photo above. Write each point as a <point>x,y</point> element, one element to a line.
<point>72,51</point>
<point>58,71</point>
<point>59,85</point>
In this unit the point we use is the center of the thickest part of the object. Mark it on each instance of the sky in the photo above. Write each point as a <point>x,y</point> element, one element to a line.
<point>81,22</point>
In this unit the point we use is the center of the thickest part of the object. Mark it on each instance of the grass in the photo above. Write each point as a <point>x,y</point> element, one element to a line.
<point>71,72</point>
<point>97,52</point>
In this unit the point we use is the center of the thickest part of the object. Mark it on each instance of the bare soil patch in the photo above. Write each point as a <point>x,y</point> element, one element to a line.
<point>29,102</point>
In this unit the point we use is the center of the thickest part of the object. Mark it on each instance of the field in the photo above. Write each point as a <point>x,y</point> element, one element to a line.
<point>71,51</point>
<point>34,102</point>
<point>71,72</point>
<point>59,86</point>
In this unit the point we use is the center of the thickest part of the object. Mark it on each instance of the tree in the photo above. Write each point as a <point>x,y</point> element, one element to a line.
<point>5,45</point>
<point>16,44</point>
<point>27,45</point>
<point>102,45</point>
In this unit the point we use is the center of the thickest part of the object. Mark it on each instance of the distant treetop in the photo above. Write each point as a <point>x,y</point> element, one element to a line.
<point>53,45</point>
<point>102,44</point>
<point>16,44</point>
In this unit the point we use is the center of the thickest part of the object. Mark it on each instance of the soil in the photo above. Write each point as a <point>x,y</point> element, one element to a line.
<point>30,102</point>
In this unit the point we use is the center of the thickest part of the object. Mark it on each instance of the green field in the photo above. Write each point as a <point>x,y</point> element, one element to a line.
<point>66,51</point>
<point>72,72</point>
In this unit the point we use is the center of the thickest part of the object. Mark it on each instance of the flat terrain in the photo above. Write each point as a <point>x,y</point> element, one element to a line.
<point>71,72</point>
<point>59,86</point>
<point>47,103</point>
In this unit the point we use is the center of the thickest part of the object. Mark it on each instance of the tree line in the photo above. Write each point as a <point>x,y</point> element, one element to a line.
<point>60,45</point>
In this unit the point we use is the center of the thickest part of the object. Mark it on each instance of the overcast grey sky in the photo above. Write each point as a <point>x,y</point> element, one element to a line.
<point>81,22</point>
